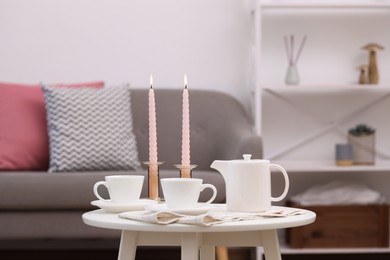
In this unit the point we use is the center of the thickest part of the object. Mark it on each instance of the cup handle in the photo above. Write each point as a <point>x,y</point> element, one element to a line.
<point>95,189</point>
<point>205,186</point>
<point>286,185</point>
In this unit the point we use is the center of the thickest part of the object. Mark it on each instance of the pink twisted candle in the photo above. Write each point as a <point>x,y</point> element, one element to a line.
<point>185,148</point>
<point>152,125</point>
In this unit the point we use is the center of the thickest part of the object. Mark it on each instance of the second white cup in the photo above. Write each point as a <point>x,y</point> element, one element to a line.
<point>121,188</point>
<point>182,193</point>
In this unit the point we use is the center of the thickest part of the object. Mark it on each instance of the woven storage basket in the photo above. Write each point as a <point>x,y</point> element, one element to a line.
<point>363,148</point>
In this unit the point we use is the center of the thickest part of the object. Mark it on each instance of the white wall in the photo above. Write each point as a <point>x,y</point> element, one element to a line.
<point>126,41</point>
<point>209,40</point>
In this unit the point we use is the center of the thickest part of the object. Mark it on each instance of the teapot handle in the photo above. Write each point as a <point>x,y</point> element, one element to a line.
<point>286,185</point>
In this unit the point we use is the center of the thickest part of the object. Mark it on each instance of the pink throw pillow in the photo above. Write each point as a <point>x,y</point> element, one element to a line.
<point>24,143</point>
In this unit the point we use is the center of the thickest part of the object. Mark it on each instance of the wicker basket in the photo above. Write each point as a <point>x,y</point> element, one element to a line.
<point>363,148</point>
<point>343,226</point>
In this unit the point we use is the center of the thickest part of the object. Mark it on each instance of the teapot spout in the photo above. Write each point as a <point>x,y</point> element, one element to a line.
<point>220,166</point>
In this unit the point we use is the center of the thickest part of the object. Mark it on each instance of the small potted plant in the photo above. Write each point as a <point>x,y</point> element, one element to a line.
<point>362,139</point>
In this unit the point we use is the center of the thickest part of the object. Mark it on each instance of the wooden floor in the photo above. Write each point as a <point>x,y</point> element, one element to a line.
<point>142,254</point>
<point>338,257</point>
<point>163,253</point>
<point>166,253</point>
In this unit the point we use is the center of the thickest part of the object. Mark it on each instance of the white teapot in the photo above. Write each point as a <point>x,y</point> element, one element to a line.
<point>248,183</point>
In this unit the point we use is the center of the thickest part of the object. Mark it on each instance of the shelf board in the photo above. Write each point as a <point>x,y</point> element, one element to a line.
<point>285,249</point>
<point>324,4</point>
<point>368,250</point>
<point>330,166</point>
<point>330,87</point>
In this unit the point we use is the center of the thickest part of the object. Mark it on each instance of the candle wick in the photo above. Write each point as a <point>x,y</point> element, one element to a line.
<point>151,86</point>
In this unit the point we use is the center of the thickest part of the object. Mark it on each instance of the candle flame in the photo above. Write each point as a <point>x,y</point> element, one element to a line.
<point>185,80</point>
<point>151,81</point>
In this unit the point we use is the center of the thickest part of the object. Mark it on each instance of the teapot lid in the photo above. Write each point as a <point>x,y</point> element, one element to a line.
<point>247,159</point>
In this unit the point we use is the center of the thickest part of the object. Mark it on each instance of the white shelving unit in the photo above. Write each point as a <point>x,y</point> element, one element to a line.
<point>261,5</point>
<point>285,249</point>
<point>308,170</point>
<point>382,94</point>
<point>324,3</point>
<point>330,166</point>
<point>277,89</point>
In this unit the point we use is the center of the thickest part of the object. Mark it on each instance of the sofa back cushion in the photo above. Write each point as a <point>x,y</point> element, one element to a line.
<point>215,119</point>
<point>23,132</point>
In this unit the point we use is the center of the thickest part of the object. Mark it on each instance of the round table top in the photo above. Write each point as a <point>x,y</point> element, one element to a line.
<point>102,219</point>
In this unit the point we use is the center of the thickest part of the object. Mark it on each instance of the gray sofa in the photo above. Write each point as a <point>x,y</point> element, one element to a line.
<point>42,206</point>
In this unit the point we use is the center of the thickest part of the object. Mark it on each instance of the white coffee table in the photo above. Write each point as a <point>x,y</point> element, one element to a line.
<point>261,232</point>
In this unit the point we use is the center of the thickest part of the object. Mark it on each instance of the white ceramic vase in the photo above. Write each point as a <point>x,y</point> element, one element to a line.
<point>292,75</point>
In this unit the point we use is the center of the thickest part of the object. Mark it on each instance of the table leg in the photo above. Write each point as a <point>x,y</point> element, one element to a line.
<point>128,245</point>
<point>270,244</point>
<point>207,253</point>
<point>189,246</point>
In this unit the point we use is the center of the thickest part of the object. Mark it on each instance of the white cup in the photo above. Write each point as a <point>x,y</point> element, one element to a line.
<point>121,188</point>
<point>181,193</point>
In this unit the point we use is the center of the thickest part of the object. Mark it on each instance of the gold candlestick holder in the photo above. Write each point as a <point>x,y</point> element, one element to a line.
<point>153,180</point>
<point>185,170</point>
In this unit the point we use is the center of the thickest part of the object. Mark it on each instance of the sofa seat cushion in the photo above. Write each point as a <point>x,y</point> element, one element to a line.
<point>43,190</point>
<point>73,190</point>
<point>49,225</point>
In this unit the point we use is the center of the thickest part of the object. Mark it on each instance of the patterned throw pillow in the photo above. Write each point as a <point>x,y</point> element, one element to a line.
<point>90,129</point>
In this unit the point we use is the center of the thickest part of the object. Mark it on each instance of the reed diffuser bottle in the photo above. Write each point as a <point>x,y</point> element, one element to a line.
<point>292,74</point>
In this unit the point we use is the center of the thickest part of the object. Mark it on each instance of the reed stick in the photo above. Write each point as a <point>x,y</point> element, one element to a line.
<point>292,49</point>
<point>289,44</point>
<point>286,46</point>
<point>300,49</point>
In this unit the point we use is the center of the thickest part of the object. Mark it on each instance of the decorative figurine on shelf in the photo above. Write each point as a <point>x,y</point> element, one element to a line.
<point>292,75</point>
<point>362,139</point>
<point>373,72</point>
<point>363,70</point>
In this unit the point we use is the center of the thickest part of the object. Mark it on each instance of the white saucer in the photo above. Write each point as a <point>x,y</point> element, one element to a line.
<point>111,207</point>
<point>200,209</point>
